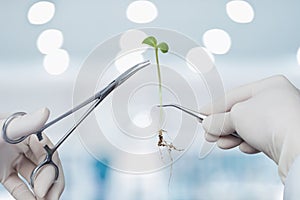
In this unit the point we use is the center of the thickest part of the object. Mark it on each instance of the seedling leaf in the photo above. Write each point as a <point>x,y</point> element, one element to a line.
<point>164,48</point>
<point>151,41</point>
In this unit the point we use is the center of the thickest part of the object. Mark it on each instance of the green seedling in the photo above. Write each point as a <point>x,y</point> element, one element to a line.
<point>164,48</point>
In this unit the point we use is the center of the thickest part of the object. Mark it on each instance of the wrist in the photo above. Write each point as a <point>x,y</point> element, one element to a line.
<point>289,152</point>
<point>291,189</point>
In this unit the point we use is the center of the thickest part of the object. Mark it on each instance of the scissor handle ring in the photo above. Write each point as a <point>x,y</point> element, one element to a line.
<point>5,125</point>
<point>48,161</point>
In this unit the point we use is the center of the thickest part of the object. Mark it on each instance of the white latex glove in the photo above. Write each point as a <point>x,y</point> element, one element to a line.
<point>22,158</point>
<point>266,114</point>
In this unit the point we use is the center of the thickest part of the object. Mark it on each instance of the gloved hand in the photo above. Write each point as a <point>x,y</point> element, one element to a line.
<point>266,114</point>
<point>22,158</point>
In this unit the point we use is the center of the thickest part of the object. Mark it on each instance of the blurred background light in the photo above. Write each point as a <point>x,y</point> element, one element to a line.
<point>49,40</point>
<point>240,11</point>
<point>141,12</point>
<point>132,39</point>
<point>199,56</point>
<point>217,41</point>
<point>41,12</point>
<point>211,56</point>
<point>128,60</point>
<point>56,62</point>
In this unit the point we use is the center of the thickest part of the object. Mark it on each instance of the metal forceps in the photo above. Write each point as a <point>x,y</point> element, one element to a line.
<point>199,116</point>
<point>95,100</point>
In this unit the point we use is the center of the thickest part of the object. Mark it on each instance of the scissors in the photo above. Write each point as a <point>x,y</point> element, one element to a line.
<point>198,115</point>
<point>96,99</point>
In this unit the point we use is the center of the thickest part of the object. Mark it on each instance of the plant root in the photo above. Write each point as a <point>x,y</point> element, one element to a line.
<point>163,143</point>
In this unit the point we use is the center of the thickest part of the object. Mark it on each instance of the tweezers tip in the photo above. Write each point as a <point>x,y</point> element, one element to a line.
<point>162,105</point>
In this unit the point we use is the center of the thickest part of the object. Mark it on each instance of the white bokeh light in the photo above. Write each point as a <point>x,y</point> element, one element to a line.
<point>50,40</point>
<point>201,57</point>
<point>142,119</point>
<point>217,41</point>
<point>141,12</point>
<point>56,62</point>
<point>298,56</point>
<point>210,55</point>
<point>240,11</point>
<point>128,60</point>
<point>132,39</point>
<point>41,12</point>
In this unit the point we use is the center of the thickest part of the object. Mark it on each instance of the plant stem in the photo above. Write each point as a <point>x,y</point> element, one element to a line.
<point>159,87</point>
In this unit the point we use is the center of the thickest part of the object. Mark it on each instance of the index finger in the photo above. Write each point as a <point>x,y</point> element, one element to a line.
<point>242,93</point>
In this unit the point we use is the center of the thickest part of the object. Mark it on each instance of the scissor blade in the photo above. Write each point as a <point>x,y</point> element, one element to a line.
<point>101,94</point>
<point>128,73</point>
<point>121,79</point>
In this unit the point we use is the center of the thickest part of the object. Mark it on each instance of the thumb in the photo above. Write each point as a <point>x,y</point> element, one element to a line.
<point>27,124</point>
<point>219,124</point>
